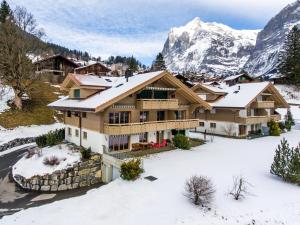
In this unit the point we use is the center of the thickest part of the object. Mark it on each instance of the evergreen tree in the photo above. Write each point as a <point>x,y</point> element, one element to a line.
<point>133,64</point>
<point>281,160</point>
<point>274,128</point>
<point>289,60</point>
<point>289,117</point>
<point>4,11</point>
<point>293,169</point>
<point>159,63</point>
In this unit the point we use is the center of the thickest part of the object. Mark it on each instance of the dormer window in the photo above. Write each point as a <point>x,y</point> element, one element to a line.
<point>77,93</point>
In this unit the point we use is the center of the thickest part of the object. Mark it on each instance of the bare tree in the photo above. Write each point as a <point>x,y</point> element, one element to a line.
<point>19,38</point>
<point>228,129</point>
<point>240,188</point>
<point>200,190</point>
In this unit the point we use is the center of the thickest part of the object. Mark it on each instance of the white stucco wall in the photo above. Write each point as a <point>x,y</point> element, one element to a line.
<point>72,138</point>
<point>219,127</point>
<point>95,140</point>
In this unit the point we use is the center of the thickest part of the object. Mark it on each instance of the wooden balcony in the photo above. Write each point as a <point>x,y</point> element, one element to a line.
<point>148,104</point>
<point>136,128</point>
<point>264,104</point>
<point>257,119</point>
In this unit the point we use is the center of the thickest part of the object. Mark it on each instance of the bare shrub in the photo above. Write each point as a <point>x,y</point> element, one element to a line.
<point>52,161</point>
<point>240,188</point>
<point>199,190</point>
<point>30,152</point>
<point>228,129</point>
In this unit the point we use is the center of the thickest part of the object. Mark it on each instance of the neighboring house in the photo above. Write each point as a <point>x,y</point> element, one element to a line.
<point>239,110</point>
<point>95,68</point>
<point>238,79</point>
<point>278,79</point>
<point>54,68</point>
<point>184,80</point>
<point>119,69</point>
<point>117,113</point>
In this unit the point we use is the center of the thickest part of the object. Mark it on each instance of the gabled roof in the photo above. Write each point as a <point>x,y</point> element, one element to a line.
<point>121,89</point>
<point>91,65</point>
<point>209,88</point>
<point>89,80</point>
<point>237,76</point>
<point>242,95</point>
<point>58,56</point>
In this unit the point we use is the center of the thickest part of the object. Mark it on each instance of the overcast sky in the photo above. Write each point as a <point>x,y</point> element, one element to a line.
<point>138,27</point>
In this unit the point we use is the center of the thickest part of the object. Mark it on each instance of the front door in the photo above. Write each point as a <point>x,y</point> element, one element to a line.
<point>159,136</point>
<point>242,130</point>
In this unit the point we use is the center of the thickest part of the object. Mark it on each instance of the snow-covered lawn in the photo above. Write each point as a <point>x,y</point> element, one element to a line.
<point>290,93</point>
<point>162,201</point>
<point>7,135</point>
<point>28,167</point>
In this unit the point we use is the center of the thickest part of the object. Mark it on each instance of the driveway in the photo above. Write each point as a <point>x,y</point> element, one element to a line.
<point>14,199</point>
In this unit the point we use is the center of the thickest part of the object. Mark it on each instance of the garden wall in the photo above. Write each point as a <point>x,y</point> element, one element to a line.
<point>82,174</point>
<point>16,142</point>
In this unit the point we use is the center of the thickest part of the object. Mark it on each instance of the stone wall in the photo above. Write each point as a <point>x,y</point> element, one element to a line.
<point>16,142</point>
<point>82,174</point>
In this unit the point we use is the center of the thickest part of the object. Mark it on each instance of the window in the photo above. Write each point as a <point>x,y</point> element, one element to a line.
<point>143,137</point>
<point>145,94</point>
<point>118,117</point>
<point>118,143</point>
<point>213,111</point>
<point>144,116</point>
<point>69,131</point>
<point>77,93</point>
<point>179,115</point>
<point>213,125</point>
<point>201,124</point>
<point>69,113</point>
<point>83,115</point>
<point>84,135</point>
<point>160,115</point>
<point>77,114</point>
<point>76,132</point>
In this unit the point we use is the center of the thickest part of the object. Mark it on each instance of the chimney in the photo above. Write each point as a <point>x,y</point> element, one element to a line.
<point>128,73</point>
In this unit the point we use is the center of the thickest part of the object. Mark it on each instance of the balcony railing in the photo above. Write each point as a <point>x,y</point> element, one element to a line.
<point>136,128</point>
<point>264,104</point>
<point>258,119</point>
<point>148,104</point>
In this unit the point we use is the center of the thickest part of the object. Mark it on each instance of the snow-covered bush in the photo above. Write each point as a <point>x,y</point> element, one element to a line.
<point>274,128</point>
<point>289,117</point>
<point>51,161</point>
<point>286,162</point>
<point>181,141</point>
<point>199,190</point>
<point>85,152</point>
<point>131,170</point>
<point>240,187</point>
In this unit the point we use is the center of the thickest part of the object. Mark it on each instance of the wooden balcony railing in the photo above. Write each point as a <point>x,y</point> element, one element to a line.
<point>147,104</point>
<point>136,128</point>
<point>258,119</point>
<point>264,104</point>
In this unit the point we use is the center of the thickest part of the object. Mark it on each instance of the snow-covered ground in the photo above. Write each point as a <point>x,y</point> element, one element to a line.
<point>290,93</point>
<point>6,94</point>
<point>7,135</point>
<point>28,167</point>
<point>162,202</point>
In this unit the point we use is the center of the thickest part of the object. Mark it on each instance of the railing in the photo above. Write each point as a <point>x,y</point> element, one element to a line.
<point>136,128</point>
<point>146,104</point>
<point>258,119</point>
<point>264,104</point>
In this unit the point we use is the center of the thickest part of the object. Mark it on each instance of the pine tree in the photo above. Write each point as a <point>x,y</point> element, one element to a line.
<point>289,117</point>
<point>293,169</point>
<point>289,59</point>
<point>4,11</point>
<point>281,160</point>
<point>133,64</point>
<point>159,63</point>
<point>274,128</point>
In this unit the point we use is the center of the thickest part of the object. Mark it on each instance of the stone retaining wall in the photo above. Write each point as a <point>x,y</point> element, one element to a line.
<point>16,142</point>
<point>82,174</point>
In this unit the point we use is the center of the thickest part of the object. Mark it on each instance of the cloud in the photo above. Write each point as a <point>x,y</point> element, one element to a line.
<point>139,27</point>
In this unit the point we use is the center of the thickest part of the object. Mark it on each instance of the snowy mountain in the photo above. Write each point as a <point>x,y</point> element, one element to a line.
<point>270,40</point>
<point>208,47</point>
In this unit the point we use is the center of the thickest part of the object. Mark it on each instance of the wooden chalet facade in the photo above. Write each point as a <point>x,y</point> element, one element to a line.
<point>239,110</point>
<point>96,68</point>
<point>238,79</point>
<point>113,114</point>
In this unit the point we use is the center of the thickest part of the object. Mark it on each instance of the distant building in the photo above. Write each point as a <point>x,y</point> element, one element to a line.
<point>238,79</point>
<point>119,69</point>
<point>54,68</point>
<point>95,68</point>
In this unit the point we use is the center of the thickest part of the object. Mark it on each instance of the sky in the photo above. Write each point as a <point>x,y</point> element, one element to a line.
<point>138,27</point>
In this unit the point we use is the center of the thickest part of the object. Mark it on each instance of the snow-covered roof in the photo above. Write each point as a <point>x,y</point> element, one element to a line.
<point>118,88</point>
<point>240,95</point>
<point>94,80</point>
<point>94,63</point>
<point>217,89</point>
<point>234,77</point>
